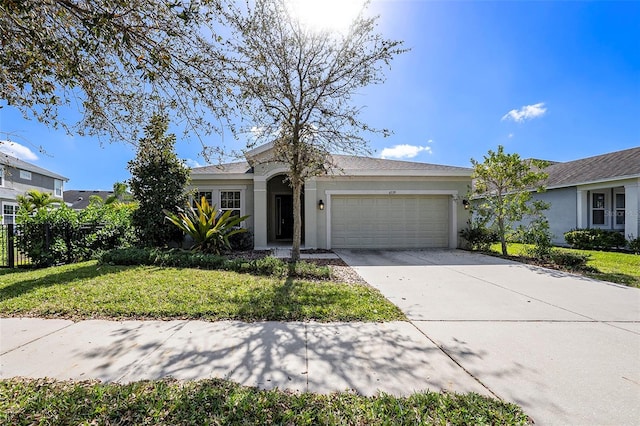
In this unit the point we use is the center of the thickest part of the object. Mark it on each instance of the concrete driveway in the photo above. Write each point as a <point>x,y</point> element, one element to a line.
<point>564,347</point>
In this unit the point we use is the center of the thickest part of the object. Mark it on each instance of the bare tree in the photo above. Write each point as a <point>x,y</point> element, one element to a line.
<point>294,86</point>
<point>116,61</point>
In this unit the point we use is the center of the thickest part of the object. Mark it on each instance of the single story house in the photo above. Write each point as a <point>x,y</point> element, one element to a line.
<point>17,177</point>
<point>596,192</point>
<point>361,203</point>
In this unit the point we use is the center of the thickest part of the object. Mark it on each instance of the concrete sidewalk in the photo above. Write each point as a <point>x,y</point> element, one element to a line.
<point>318,357</point>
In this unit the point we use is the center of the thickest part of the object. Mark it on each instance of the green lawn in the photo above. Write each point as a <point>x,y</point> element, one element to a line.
<point>219,402</point>
<point>621,268</point>
<point>88,290</point>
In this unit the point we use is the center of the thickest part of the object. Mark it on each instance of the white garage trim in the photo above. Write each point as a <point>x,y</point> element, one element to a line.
<point>453,210</point>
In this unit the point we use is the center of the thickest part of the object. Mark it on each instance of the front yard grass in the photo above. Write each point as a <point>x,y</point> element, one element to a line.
<point>47,402</point>
<point>88,290</point>
<point>621,268</point>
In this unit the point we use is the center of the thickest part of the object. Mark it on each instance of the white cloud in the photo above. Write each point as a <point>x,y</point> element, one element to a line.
<point>193,163</point>
<point>527,112</point>
<point>510,135</point>
<point>404,151</point>
<point>16,150</point>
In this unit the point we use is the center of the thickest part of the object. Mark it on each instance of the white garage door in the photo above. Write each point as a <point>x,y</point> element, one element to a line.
<point>389,221</point>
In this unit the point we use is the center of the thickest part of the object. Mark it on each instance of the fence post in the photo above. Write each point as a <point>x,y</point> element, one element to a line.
<point>10,246</point>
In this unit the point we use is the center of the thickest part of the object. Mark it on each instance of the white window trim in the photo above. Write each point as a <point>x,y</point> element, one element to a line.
<point>606,209</point>
<point>55,192</point>
<point>198,197</point>
<point>614,209</point>
<point>15,205</point>
<point>25,175</point>
<point>243,199</point>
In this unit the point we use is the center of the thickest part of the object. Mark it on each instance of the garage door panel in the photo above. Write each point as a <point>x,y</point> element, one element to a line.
<point>394,221</point>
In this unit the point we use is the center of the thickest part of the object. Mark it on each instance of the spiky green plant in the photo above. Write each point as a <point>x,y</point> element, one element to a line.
<point>210,231</point>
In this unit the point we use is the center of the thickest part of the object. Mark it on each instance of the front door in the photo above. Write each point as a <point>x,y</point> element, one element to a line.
<point>284,217</point>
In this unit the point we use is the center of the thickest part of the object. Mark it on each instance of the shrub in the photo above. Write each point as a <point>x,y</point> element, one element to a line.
<point>63,235</point>
<point>479,236</point>
<point>241,241</point>
<point>538,234</point>
<point>210,232</point>
<point>574,261</point>
<point>634,244</point>
<point>268,265</point>
<point>594,239</point>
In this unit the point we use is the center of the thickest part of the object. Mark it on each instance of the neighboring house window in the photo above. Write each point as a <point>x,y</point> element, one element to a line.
<point>620,209</point>
<point>230,200</point>
<point>26,175</point>
<point>1,176</point>
<point>57,187</point>
<point>9,213</point>
<point>598,209</point>
<point>198,196</point>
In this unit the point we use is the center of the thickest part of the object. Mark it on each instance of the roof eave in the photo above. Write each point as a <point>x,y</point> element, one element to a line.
<point>420,173</point>
<point>223,176</point>
<point>595,182</point>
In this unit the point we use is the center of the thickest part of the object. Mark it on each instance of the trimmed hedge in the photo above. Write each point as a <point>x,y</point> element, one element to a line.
<point>594,239</point>
<point>268,265</point>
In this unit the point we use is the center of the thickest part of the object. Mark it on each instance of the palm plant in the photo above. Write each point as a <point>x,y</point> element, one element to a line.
<point>209,230</point>
<point>35,200</point>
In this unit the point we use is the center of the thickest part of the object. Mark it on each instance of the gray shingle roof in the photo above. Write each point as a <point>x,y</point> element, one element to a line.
<point>610,166</point>
<point>342,162</point>
<point>351,162</point>
<point>8,160</point>
<point>229,168</point>
<point>79,199</point>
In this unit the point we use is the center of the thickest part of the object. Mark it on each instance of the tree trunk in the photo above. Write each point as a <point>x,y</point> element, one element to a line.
<point>297,219</point>
<point>503,240</point>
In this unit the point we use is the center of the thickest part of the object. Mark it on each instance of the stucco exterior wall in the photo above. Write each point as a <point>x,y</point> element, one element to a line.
<point>13,181</point>
<point>562,214</point>
<point>216,185</point>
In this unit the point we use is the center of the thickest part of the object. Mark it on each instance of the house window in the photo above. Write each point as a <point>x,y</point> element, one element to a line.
<point>620,209</point>
<point>9,212</point>
<point>57,187</point>
<point>24,174</point>
<point>230,200</point>
<point>1,176</point>
<point>598,209</point>
<point>208,195</point>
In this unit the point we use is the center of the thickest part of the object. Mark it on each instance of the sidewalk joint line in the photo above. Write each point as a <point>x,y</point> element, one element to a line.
<point>37,338</point>
<point>456,362</point>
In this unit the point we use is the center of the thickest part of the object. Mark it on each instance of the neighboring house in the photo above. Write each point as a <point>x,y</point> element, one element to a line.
<point>362,203</point>
<point>596,192</point>
<point>17,177</point>
<point>80,199</point>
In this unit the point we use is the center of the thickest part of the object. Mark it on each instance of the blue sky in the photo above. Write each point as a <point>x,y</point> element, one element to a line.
<point>551,80</point>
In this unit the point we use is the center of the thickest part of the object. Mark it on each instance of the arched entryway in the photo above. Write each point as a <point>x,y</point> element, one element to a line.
<point>280,210</point>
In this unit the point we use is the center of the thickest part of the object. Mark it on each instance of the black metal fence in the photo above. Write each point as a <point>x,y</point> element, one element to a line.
<point>10,255</point>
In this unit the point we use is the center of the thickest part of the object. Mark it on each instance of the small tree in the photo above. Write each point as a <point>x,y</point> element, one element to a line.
<point>295,86</point>
<point>158,181</point>
<point>503,186</point>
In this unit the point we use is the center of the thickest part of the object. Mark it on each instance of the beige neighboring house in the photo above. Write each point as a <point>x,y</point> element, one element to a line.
<point>17,177</point>
<point>362,203</point>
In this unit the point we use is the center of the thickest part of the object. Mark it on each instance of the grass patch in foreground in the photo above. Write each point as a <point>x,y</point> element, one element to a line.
<point>88,290</point>
<point>621,268</point>
<point>47,402</point>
